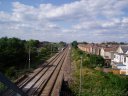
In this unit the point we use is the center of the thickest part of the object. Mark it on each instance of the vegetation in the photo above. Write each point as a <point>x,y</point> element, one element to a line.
<point>95,83</point>
<point>74,44</point>
<point>48,50</point>
<point>14,55</point>
<point>115,43</point>
<point>10,49</point>
<point>62,44</point>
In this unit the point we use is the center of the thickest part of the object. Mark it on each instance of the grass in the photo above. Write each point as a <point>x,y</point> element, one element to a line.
<point>95,83</point>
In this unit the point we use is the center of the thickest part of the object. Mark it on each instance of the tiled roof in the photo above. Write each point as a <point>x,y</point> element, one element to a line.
<point>124,48</point>
<point>85,45</point>
<point>108,49</point>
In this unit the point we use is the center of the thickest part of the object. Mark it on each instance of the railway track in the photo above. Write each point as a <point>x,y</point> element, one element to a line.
<point>53,79</point>
<point>45,80</point>
<point>57,86</point>
<point>26,79</point>
<point>46,77</point>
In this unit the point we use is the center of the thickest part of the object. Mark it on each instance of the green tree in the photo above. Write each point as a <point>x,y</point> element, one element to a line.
<point>74,44</point>
<point>12,53</point>
<point>62,44</point>
<point>32,45</point>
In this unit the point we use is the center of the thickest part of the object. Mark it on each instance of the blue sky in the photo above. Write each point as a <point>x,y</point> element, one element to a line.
<point>5,5</point>
<point>65,20</point>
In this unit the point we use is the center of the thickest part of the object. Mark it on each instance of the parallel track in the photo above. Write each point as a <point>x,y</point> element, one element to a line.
<point>45,79</point>
<point>38,86</point>
<point>46,91</point>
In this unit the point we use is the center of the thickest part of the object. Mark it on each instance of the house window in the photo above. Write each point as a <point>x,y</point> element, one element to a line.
<point>125,59</point>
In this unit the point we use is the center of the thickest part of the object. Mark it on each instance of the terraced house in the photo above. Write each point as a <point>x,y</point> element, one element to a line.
<point>107,52</point>
<point>90,48</point>
<point>85,47</point>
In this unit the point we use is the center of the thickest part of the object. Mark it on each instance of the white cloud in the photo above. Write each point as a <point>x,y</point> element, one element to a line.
<point>125,20</point>
<point>84,19</point>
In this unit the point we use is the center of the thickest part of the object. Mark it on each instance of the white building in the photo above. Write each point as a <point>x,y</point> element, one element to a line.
<point>118,57</point>
<point>120,60</point>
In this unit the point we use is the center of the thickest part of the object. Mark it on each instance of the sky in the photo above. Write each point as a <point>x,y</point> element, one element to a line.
<point>65,20</point>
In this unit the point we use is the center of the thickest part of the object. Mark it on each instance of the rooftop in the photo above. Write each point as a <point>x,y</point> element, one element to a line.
<point>124,48</point>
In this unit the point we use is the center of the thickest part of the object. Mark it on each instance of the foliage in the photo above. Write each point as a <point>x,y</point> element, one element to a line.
<point>10,49</point>
<point>14,55</point>
<point>62,44</point>
<point>89,60</point>
<point>116,43</point>
<point>74,44</point>
<point>45,53</point>
<point>32,45</point>
<point>95,83</point>
<point>95,60</point>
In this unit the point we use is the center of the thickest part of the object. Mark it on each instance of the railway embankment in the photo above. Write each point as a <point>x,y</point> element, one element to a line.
<point>94,82</point>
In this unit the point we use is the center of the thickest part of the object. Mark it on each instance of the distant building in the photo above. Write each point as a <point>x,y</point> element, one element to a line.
<point>114,55</point>
<point>107,52</point>
<point>85,47</point>
<point>96,49</point>
<point>90,48</point>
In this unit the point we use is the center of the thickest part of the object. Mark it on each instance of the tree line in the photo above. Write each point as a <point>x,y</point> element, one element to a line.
<point>14,54</point>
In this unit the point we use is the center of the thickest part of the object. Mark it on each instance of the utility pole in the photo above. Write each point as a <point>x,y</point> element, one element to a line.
<point>29,56</point>
<point>51,49</point>
<point>80,87</point>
